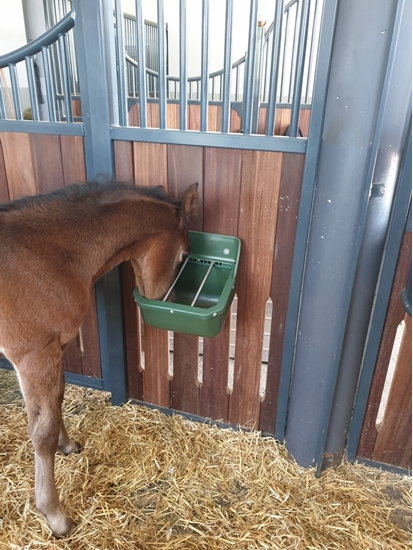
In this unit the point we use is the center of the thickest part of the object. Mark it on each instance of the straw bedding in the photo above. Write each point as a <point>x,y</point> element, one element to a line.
<point>145,480</point>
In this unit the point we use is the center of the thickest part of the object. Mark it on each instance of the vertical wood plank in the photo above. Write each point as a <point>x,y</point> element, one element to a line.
<point>150,168</point>
<point>394,316</point>
<point>134,119</point>
<point>132,334</point>
<point>47,162</point>
<point>260,183</point>
<point>4,188</point>
<point>304,121</point>
<point>394,440</point>
<point>221,212</point>
<point>18,164</point>
<point>124,172</point>
<point>194,117</point>
<point>290,192</point>
<point>172,113</point>
<point>124,161</point>
<point>73,159</point>
<point>185,166</point>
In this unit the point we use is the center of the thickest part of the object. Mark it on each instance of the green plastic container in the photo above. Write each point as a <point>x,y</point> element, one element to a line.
<point>210,273</point>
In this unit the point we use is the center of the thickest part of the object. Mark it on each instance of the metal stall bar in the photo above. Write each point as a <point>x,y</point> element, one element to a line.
<point>299,68</point>
<point>275,62</point>
<point>49,85</point>
<point>32,88</point>
<point>250,70</point>
<point>204,66</point>
<point>2,106</point>
<point>66,87</point>
<point>400,213</point>
<point>140,54</point>
<point>304,216</point>
<point>386,149</point>
<point>120,54</point>
<point>162,65</point>
<point>183,69</point>
<point>15,92</point>
<point>225,89</point>
<point>336,219</point>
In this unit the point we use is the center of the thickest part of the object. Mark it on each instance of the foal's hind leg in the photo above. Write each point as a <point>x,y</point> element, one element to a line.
<point>39,375</point>
<point>65,444</point>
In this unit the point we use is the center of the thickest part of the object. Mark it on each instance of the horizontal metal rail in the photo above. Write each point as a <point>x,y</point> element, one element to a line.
<point>35,46</point>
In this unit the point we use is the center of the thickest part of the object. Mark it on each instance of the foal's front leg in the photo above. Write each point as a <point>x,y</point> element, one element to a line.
<point>42,389</point>
<point>66,445</point>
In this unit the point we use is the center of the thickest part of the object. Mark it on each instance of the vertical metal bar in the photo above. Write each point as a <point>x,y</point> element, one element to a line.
<point>257,78</point>
<point>162,64</point>
<point>312,48</point>
<point>183,69</point>
<point>250,70</point>
<point>226,87</point>
<point>284,57</point>
<point>32,88</point>
<point>140,52</point>
<point>275,63</point>
<point>49,87</point>
<point>2,106</point>
<point>204,66</point>
<point>309,178</point>
<point>120,54</point>
<point>65,77</point>
<point>295,50</point>
<point>299,68</point>
<point>15,92</point>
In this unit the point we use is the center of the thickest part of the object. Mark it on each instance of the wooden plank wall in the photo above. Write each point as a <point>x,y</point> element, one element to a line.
<point>391,441</point>
<point>281,123</point>
<point>34,163</point>
<point>254,195</point>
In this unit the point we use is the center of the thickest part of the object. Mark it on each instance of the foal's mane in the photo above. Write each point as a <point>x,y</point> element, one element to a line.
<point>92,189</point>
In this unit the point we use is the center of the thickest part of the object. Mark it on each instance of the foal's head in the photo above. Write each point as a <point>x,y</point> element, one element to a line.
<point>156,262</point>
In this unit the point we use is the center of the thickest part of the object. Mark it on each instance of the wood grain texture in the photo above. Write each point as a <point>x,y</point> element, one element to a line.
<point>221,212</point>
<point>47,162</point>
<point>73,159</point>
<point>124,161</point>
<point>124,172</point>
<point>289,201</point>
<point>4,188</point>
<point>18,163</point>
<point>133,344</point>
<point>150,169</point>
<point>394,439</point>
<point>394,316</point>
<point>185,167</point>
<point>260,184</point>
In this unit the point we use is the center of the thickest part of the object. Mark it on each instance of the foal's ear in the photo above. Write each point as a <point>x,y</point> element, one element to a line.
<point>189,203</point>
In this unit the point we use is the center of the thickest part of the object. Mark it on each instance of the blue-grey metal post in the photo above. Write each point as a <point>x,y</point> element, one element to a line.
<point>35,26</point>
<point>250,68</point>
<point>386,154</point>
<point>94,86</point>
<point>204,66</point>
<point>226,84</point>
<point>400,221</point>
<point>162,64</point>
<point>140,56</point>
<point>183,67</point>
<point>358,67</point>
<point>275,62</point>
<point>304,216</point>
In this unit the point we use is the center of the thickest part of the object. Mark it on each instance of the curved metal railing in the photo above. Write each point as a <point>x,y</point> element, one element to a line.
<point>36,57</point>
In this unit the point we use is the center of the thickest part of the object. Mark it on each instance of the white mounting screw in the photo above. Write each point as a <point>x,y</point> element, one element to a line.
<point>226,251</point>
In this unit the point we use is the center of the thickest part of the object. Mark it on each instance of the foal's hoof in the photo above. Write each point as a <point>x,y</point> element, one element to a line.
<point>72,447</point>
<point>61,526</point>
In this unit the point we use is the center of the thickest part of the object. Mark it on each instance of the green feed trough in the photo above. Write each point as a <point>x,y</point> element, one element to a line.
<point>200,298</point>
